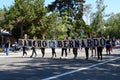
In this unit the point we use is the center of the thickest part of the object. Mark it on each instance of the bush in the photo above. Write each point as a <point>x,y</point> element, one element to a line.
<point>0,49</point>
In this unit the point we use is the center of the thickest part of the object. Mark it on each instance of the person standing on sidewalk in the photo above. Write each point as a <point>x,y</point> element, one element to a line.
<point>34,47</point>
<point>7,46</point>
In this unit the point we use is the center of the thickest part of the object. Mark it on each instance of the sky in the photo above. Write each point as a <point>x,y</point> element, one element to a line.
<point>113,6</point>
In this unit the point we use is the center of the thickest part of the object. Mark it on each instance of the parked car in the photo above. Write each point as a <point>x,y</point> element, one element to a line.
<point>15,47</point>
<point>117,45</point>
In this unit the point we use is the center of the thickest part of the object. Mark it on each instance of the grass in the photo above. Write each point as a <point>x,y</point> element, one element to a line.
<point>1,50</point>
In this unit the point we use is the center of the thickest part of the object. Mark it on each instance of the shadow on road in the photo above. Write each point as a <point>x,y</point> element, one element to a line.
<point>39,68</point>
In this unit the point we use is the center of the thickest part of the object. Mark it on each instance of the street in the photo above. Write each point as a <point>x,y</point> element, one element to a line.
<point>16,67</point>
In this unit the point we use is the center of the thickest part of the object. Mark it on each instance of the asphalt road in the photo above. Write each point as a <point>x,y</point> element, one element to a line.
<point>17,67</point>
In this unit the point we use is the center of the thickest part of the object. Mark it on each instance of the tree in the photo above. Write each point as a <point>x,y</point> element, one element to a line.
<point>71,12</point>
<point>1,14</point>
<point>87,11</point>
<point>1,18</point>
<point>72,7</point>
<point>98,17</point>
<point>29,16</point>
<point>113,26</point>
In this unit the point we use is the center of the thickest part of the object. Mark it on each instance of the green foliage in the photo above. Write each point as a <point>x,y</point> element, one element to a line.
<point>33,18</point>
<point>72,7</point>
<point>113,26</point>
<point>98,17</point>
<point>71,12</point>
<point>28,16</point>
<point>1,50</point>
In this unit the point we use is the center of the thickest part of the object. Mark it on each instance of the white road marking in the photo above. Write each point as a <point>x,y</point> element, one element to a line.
<point>80,69</point>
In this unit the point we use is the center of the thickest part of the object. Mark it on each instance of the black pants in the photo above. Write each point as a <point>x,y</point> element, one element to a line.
<point>99,52</point>
<point>33,52</point>
<point>53,52</point>
<point>87,53</point>
<point>75,52</point>
<point>69,50</point>
<point>93,49</point>
<point>108,49</point>
<point>43,51</point>
<point>64,50</point>
<point>24,51</point>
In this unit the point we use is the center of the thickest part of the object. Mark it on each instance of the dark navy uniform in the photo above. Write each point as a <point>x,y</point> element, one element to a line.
<point>108,46</point>
<point>33,49</point>
<point>99,48</point>
<point>24,48</point>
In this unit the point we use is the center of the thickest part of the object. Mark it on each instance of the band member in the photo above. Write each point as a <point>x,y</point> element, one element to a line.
<point>25,44</point>
<point>53,48</point>
<point>87,48</point>
<point>69,38</point>
<point>43,49</point>
<point>93,48</point>
<point>108,45</point>
<point>64,49</point>
<point>34,47</point>
<point>75,49</point>
<point>99,48</point>
<point>113,41</point>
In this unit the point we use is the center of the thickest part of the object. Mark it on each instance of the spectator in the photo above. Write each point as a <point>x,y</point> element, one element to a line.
<point>7,46</point>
